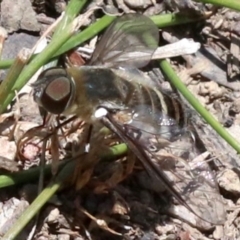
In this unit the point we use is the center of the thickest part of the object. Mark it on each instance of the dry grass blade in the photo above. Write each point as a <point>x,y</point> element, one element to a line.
<point>100,221</point>
<point>55,152</point>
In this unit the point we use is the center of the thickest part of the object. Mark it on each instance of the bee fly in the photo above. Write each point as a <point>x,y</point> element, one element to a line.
<point>112,90</point>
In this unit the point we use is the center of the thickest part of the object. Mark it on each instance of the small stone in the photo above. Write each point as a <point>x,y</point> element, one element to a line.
<point>19,15</point>
<point>229,181</point>
<point>218,232</point>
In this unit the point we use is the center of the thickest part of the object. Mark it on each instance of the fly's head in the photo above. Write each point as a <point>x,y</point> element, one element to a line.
<point>54,90</point>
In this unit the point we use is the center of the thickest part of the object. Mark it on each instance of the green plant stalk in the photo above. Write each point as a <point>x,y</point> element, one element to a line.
<point>114,152</point>
<point>162,20</point>
<point>166,20</point>
<point>73,8</point>
<point>23,176</point>
<point>90,32</point>
<point>33,173</point>
<point>176,81</point>
<point>13,74</point>
<point>5,64</point>
<point>233,4</point>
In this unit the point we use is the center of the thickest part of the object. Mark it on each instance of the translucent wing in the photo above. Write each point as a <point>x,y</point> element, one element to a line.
<point>192,184</point>
<point>196,183</point>
<point>128,42</point>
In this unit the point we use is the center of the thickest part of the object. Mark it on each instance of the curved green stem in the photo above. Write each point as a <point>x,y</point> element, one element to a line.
<point>176,81</point>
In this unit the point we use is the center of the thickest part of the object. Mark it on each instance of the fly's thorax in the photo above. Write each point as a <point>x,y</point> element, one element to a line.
<point>102,88</point>
<point>80,104</point>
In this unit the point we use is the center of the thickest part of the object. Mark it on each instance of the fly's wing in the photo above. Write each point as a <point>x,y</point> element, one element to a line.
<point>128,42</point>
<point>193,186</point>
<point>196,184</point>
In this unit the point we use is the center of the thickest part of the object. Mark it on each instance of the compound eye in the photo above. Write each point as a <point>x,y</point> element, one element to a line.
<point>54,90</point>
